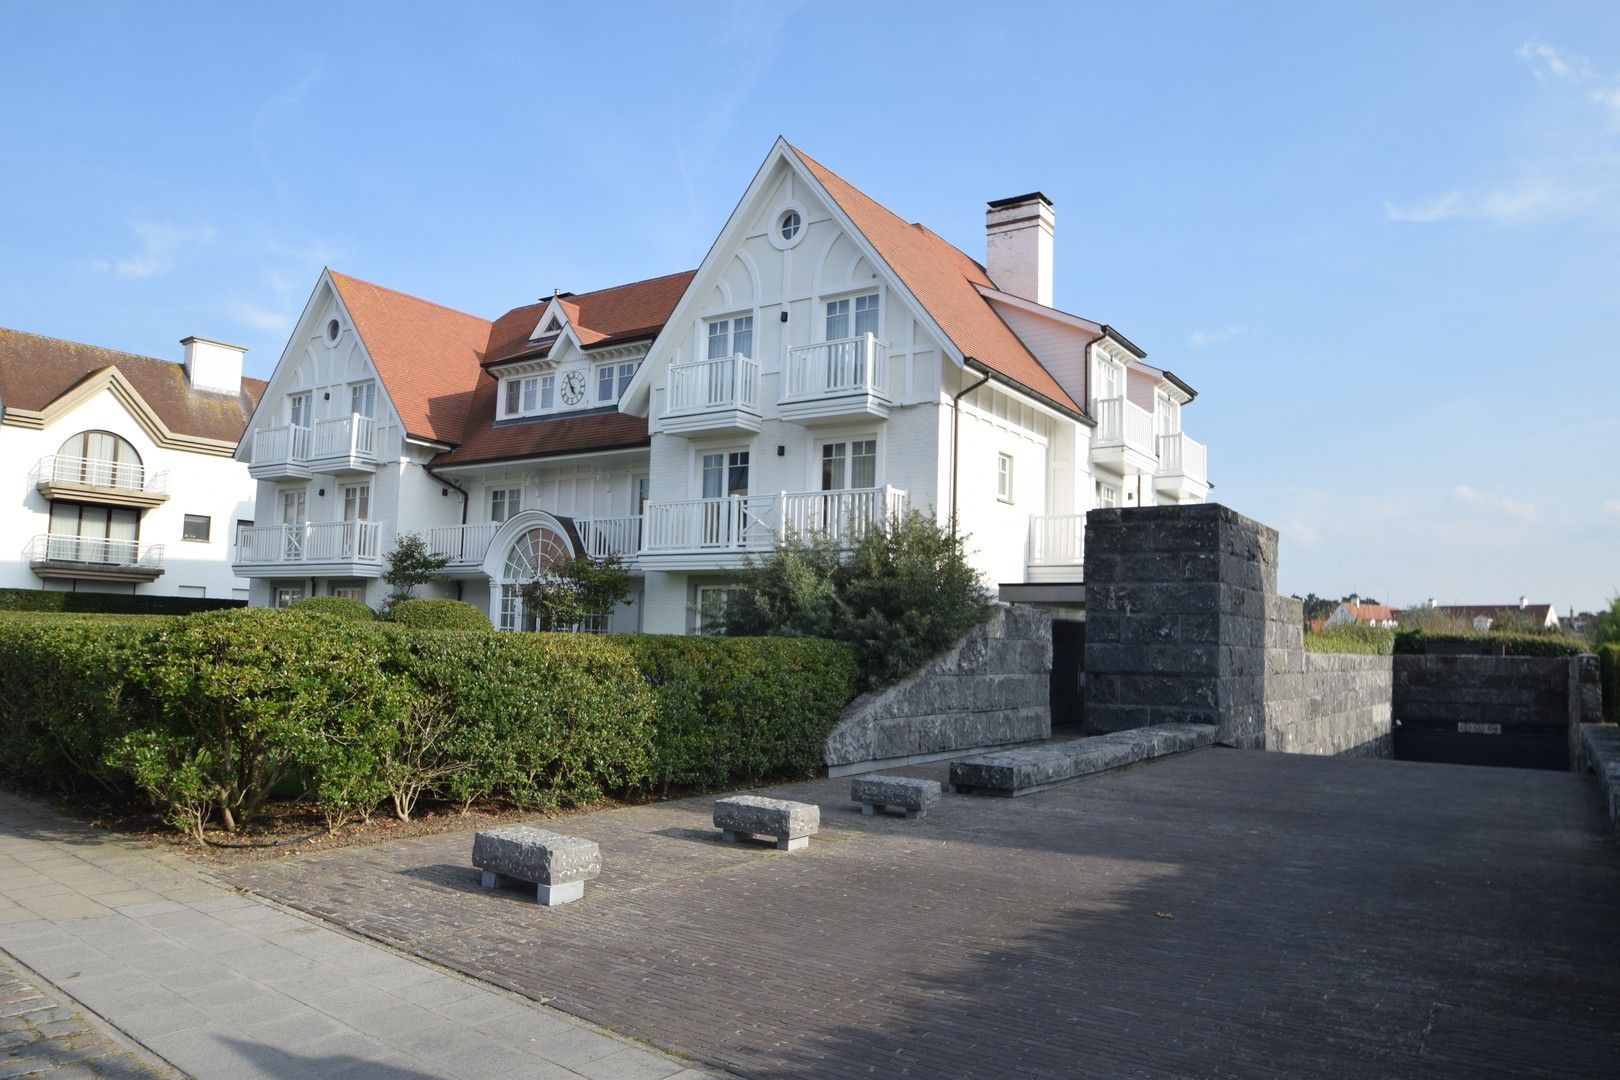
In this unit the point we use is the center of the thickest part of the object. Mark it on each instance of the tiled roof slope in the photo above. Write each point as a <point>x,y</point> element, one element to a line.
<point>620,313</point>
<point>36,370</point>
<point>1536,612</point>
<point>426,354</point>
<point>943,280</point>
<point>1370,613</point>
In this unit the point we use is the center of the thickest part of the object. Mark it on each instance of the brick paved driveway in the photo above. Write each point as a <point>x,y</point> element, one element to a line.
<point>1217,914</point>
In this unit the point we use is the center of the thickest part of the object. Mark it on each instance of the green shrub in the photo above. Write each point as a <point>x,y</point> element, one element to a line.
<point>225,705</point>
<point>1352,638</point>
<point>437,615</point>
<point>108,603</point>
<point>900,596</point>
<point>338,607</point>
<point>741,709</point>
<point>1489,643</point>
<point>1609,660</point>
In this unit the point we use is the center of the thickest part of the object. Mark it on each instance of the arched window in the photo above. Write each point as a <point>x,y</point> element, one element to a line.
<point>100,459</point>
<point>529,557</point>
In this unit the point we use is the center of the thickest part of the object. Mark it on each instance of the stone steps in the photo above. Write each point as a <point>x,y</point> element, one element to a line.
<point>1036,768</point>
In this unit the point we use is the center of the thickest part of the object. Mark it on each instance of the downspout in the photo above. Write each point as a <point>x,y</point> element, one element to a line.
<point>956,427</point>
<point>465,499</point>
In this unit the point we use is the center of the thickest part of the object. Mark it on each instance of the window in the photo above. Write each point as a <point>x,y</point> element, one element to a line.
<point>514,391</point>
<point>788,225</point>
<point>242,523</point>
<point>294,506</point>
<point>350,592</point>
<point>98,459</point>
<point>363,399</point>
<point>357,502</point>
<point>731,337</point>
<point>298,413</point>
<point>548,392</point>
<point>725,473</point>
<point>286,595</point>
<point>554,326</point>
<point>332,329</point>
<point>525,396</point>
<point>196,527</point>
<point>612,380</point>
<point>1107,494</point>
<point>712,602</point>
<point>1169,415</point>
<point>1004,477</point>
<point>1107,380</point>
<point>847,465</point>
<point>504,502</point>
<point>865,317</point>
<point>93,534</point>
<point>604,383</point>
<point>626,373</point>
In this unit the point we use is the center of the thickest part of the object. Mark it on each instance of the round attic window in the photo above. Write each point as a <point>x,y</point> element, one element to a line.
<point>332,329</point>
<point>789,227</point>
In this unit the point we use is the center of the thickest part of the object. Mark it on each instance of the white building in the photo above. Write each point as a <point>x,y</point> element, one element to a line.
<point>123,465</point>
<point>828,363</point>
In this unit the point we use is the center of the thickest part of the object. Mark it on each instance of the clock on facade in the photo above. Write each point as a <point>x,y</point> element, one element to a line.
<point>573,387</point>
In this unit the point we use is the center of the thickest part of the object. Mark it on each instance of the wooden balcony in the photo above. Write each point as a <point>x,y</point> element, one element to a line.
<point>92,558</point>
<point>95,480</point>
<point>836,380</point>
<point>712,396</point>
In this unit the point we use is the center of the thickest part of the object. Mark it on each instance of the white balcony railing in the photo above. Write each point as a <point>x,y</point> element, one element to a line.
<point>1182,456</point>
<point>832,368</point>
<point>345,437</point>
<point>95,550</point>
<point>98,472</point>
<point>606,536</point>
<point>731,382</point>
<point>314,541</point>
<point>754,522</point>
<point>1121,421</point>
<point>285,445</point>
<point>1057,540</point>
<point>463,545</point>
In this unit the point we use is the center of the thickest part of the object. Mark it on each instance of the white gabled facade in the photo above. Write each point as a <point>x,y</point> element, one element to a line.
<point>112,499</point>
<point>801,380</point>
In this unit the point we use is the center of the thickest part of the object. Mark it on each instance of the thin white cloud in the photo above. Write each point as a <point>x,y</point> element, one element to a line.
<point>1612,506</point>
<point>1519,511</point>
<point>161,249</point>
<point>259,317</point>
<point>1201,339</point>
<point>1550,63</point>
<point>1439,208</point>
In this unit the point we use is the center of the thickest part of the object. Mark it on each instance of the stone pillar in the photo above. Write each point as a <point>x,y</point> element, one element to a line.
<point>1177,618</point>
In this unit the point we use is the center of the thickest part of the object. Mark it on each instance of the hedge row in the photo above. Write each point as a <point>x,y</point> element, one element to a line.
<point>212,715</point>
<point>108,603</point>
<point>1357,638</point>
<point>1489,643</point>
<point>1609,662</point>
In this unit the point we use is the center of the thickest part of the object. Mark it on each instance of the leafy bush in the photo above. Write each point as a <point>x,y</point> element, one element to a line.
<point>574,592</point>
<point>1609,660</point>
<point>108,603</point>
<point>741,708</point>
<point>339,607</point>
<point>411,564</point>
<point>1352,638</point>
<point>1489,643</point>
<point>900,596</point>
<point>438,615</point>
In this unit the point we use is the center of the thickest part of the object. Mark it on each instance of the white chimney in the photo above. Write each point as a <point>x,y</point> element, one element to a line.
<point>1524,602</point>
<point>1433,602</point>
<point>213,365</point>
<point>1018,246</point>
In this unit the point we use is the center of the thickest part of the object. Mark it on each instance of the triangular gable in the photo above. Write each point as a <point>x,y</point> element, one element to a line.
<point>114,381</point>
<point>554,319</point>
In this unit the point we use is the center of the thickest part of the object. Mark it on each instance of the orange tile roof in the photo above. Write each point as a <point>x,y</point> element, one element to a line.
<point>943,280</point>
<point>427,355</point>
<point>1370,613</point>
<point>620,313</point>
<point>36,370</point>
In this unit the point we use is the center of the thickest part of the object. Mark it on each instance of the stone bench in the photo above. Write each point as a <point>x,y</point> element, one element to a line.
<point>557,865</point>
<point>790,824</point>
<point>902,792</point>
<point>1036,768</point>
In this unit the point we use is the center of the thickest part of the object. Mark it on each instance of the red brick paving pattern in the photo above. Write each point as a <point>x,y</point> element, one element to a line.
<point>1217,914</point>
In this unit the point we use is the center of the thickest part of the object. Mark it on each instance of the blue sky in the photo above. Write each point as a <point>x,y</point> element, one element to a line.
<point>1383,240</point>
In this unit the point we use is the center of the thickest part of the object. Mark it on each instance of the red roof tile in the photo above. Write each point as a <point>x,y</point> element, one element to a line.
<point>426,354</point>
<point>943,280</point>
<point>36,370</point>
<point>620,313</point>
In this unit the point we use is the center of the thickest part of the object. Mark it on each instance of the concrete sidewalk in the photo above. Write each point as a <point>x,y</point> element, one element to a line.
<point>220,984</point>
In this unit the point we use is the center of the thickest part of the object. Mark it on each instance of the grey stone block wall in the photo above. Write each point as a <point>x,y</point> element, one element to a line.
<point>1177,618</point>
<point>1336,703</point>
<point>990,689</point>
<point>1516,691</point>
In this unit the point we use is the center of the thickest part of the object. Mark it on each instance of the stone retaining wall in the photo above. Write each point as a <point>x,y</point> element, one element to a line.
<point>991,689</point>
<point>1323,703</point>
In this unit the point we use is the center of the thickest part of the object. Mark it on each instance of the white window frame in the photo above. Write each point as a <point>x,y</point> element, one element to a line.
<point>208,528</point>
<point>1004,477</point>
<point>536,395</point>
<point>511,499</point>
<point>1107,495</point>
<point>286,595</point>
<point>366,392</point>
<point>702,625</point>
<point>853,299</point>
<point>730,323</point>
<point>360,495</point>
<point>848,442</point>
<point>727,464</point>
<point>302,402</point>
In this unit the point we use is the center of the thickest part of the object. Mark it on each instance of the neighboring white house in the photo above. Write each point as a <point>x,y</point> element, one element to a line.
<point>123,467</point>
<point>827,364</point>
<point>1485,616</point>
<point>1353,611</point>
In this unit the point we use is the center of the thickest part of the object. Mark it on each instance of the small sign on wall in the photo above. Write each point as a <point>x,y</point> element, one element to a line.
<point>1478,729</point>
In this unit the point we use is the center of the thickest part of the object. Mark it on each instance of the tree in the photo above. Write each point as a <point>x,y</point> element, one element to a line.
<point>1605,628</point>
<point>572,593</point>
<point>411,564</point>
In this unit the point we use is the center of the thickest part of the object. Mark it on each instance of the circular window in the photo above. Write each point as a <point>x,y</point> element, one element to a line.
<point>332,330</point>
<point>788,225</point>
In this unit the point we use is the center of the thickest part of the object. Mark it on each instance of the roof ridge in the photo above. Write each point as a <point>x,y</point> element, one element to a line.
<point>405,295</point>
<point>111,352</point>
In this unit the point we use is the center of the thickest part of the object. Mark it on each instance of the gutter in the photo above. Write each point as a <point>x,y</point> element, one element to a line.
<point>956,426</point>
<point>1006,380</point>
<point>1121,339</point>
<point>465,499</point>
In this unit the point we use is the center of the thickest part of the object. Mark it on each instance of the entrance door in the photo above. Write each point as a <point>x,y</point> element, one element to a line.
<point>294,515</point>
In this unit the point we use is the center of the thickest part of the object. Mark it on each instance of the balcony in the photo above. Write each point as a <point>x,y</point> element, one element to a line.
<point>836,380</point>
<point>336,548</point>
<point>1124,439</point>
<point>606,536</point>
<point>344,445</point>
<point>700,534</point>
<point>718,396</point>
<point>94,558</point>
<point>281,453</point>
<point>99,481</point>
<point>1183,472</point>
<point>464,545</point>
<point>1057,544</point>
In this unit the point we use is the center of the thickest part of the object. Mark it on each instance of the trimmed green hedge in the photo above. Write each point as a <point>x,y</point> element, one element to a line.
<point>425,614</point>
<point>108,603</point>
<point>1491,643</point>
<point>1358,638</point>
<point>339,607</point>
<point>211,715</point>
<point>1609,661</point>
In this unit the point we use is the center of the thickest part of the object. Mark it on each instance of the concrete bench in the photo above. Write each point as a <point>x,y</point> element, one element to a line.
<point>1036,768</point>
<point>790,824</point>
<point>902,792</point>
<point>557,865</point>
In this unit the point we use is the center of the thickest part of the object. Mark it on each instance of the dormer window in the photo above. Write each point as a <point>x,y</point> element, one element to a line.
<point>552,327</point>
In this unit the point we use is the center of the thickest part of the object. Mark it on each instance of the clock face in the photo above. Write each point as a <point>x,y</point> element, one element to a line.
<point>573,387</point>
